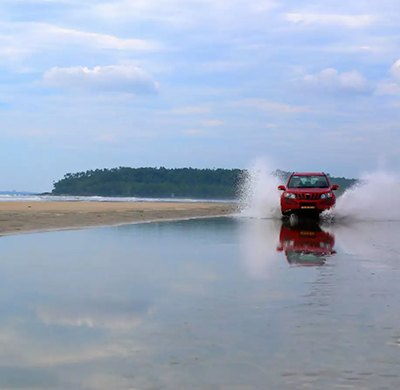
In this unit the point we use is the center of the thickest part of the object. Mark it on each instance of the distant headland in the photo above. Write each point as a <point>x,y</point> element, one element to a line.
<point>163,182</point>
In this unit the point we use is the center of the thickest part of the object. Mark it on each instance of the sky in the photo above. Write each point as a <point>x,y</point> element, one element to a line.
<point>310,86</point>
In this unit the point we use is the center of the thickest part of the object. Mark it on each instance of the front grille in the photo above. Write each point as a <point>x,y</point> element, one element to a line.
<point>308,196</point>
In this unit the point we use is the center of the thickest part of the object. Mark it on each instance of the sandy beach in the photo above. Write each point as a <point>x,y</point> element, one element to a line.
<point>28,217</point>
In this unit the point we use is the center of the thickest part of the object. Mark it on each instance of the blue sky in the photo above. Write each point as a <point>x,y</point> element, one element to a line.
<point>204,83</point>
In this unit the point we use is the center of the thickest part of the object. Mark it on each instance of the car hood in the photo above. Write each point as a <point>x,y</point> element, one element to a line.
<point>308,190</point>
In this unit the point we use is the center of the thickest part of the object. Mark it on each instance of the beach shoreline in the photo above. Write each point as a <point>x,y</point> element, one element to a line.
<point>36,217</point>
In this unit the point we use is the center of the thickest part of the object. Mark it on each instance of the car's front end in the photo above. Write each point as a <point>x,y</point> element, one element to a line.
<point>307,195</point>
<point>306,201</point>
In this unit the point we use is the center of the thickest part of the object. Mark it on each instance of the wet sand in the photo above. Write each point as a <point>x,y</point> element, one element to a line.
<point>29,217</point>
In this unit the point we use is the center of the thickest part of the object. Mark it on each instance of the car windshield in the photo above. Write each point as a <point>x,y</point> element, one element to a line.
<point>311,181</point>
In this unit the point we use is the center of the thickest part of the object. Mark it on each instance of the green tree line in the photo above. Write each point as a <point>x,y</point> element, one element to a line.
<point>160,182</point>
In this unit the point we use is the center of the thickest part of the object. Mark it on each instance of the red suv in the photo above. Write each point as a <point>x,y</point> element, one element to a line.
<point>307,194</point>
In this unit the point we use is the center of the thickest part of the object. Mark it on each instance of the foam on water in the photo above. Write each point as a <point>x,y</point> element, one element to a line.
<point>259,194</point>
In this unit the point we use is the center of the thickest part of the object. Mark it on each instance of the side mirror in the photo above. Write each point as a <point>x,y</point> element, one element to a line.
<point>335,187</point>
<point>282,188</point>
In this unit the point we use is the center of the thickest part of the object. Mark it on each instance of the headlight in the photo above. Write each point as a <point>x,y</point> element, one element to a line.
<point>288,195</point>
<point>327,196</point>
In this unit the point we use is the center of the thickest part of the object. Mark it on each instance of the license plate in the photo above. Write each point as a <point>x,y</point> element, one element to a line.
<point>308,207</point>
<point>307,234</point>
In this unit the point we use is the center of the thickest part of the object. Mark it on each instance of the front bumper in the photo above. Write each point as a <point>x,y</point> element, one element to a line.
<point>289,206</point>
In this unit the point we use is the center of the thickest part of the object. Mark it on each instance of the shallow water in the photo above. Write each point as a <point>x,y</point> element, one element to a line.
<point>204,304</point>
<point>21,197</point>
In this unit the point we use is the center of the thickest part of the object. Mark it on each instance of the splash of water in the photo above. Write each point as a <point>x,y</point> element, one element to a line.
<point>375,198</point>
<point>258,193</point>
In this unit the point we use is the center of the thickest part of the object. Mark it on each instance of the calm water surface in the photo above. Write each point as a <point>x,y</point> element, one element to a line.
<point>212,304</point>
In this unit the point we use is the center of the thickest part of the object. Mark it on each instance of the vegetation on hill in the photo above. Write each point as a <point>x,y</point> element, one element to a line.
<point>160,182</point>
<point>151,182</point>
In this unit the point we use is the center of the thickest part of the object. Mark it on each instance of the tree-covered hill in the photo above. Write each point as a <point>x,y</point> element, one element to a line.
<point>151,182</point>
<point>160,182</point>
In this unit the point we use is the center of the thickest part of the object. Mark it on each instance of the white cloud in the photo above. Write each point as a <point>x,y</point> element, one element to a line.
<point>187,13</point>
<point>108,78</point>
<point>375,46</point>
<point>331,80</point>
<point>193,132</point>
<point>222,66</point>
<point>100,41</point>
<point>388,87</point>
<point>191,110</point>
<point>350,21</point>
<point>391,86</point>
<point>20,39</point>
<point>13,53</point>
<point>395,70</point>
<point>212,123</point>
<point>107,138</point>
<point>36,1</point>
<point>266,105</point>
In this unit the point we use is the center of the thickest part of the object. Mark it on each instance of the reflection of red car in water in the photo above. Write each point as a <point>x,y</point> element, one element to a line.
<point>306,245</point>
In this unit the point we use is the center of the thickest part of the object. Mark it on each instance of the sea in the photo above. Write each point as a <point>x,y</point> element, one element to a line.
<point>29,197</point>
<point>219,303</point>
